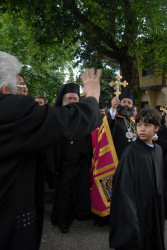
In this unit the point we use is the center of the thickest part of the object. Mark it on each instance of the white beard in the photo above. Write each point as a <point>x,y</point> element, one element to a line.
<point>64,102</point>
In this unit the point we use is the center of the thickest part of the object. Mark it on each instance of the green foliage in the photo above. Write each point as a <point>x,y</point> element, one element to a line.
<point>43,68</point>
<point>43,82</point>
<point>56,34</point>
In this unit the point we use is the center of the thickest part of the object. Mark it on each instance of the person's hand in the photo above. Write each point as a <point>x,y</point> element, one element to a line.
<point>114,103</point>
<point>91,82</point>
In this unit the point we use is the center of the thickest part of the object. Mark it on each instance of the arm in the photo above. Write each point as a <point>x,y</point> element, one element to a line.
<point>114,103</point>
<point>44,126</point>
<point>33,127</point>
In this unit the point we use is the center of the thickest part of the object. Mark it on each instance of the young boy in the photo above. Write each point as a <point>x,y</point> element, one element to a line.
<point>137,218</point>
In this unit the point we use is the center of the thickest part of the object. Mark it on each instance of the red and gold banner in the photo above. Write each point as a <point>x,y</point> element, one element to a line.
<point>104,163</point>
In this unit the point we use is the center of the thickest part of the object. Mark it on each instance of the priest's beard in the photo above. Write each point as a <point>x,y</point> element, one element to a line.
<point>125,111</point>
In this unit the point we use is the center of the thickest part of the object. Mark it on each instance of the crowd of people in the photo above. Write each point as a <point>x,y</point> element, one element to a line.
<point>101,165</point>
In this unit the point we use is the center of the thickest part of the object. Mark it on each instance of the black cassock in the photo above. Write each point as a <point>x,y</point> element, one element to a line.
<point>162,141</point>
<point>72,199</point>
<point>137,216</point>
<point>26,128</point>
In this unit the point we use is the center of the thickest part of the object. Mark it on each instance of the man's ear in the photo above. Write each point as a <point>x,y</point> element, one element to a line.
<point>5,90</point>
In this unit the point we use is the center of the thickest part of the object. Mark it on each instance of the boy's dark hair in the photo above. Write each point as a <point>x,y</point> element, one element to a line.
<point>149,115</point>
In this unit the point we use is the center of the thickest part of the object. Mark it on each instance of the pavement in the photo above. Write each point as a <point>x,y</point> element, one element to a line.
<point>83,235</point>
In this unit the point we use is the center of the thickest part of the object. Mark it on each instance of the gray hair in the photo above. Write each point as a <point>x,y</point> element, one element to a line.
<point>9,68</point>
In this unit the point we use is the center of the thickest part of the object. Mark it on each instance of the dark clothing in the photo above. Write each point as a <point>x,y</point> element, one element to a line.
<point>137,218</point>
<point>26,128</point>
<point>162,141</point>
<point>49,169</point>
<point>39,195</point>
<point>127,249</point>
<point>118,130</point>
<point>72,198</point>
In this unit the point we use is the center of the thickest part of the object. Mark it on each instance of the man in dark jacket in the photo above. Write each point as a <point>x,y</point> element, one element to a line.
<point>26,128</point>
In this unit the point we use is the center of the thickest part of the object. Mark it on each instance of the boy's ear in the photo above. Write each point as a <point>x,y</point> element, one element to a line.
<point>157,128</point>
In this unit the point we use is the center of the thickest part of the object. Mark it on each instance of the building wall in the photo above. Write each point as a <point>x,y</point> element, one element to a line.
<point>152,94</point>
<point>155,97</point>
<point>146,81</point>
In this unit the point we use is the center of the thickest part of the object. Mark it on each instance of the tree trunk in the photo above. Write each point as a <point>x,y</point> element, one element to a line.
<point>129,71</point>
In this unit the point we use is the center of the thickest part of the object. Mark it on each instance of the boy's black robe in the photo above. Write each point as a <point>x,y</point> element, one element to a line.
<point>162,141</point>
<point>137,217</point>
<point>25,129</point>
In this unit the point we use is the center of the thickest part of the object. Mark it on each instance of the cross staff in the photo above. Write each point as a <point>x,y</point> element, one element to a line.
<point>164,109</point>
<point>118,83</point>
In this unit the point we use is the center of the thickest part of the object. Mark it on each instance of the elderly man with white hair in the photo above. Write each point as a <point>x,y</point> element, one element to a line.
<point>26,128</point>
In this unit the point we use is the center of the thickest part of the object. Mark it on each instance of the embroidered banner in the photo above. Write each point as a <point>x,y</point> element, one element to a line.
<point>104,163</point>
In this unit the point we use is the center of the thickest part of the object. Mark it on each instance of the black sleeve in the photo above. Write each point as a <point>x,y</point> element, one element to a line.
<point>42,126</point>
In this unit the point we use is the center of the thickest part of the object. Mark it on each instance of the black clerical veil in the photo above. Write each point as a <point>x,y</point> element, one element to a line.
<point>127,94</point>
<point>67,88</point>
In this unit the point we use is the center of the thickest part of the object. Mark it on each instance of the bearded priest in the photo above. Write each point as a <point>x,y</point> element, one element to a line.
<point>121,121</point>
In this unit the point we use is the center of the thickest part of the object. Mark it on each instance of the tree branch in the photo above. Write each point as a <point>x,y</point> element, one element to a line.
<point>90,27</point>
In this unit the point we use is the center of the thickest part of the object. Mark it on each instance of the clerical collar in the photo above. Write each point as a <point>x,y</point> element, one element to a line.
<point>149,147</point>
<point>130,118</point>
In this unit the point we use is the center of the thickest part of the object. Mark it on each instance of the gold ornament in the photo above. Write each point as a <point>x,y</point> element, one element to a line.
<point>164,109</point>
<point>118,83</point>
<point>131,134</point>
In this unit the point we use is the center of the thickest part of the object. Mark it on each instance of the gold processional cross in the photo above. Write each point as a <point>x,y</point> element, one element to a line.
<point>118,83</point>
<point>164,109</point>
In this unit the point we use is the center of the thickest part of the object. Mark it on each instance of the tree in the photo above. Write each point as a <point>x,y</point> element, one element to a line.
<point>119,30</point>
<point>43,69</point>
<point>114,30</point>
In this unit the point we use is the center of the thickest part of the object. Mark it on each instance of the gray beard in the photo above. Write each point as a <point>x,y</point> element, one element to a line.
<point>124,112</point>
<point>64,103</point>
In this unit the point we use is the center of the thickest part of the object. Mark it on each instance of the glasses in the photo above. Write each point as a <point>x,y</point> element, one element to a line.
<point>21,86</point>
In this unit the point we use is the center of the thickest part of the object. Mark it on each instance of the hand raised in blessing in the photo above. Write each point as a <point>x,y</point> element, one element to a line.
<point>91,82</point>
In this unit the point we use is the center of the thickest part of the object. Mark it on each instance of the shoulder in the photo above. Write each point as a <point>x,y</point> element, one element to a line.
<point>129,151</point>
<point>126,162</point>
<point>24,102</point>
<point>90,100</point>
<point>158,147</point>
<point>18,105</point>
<point>17,99</point>
<point>119,118</point>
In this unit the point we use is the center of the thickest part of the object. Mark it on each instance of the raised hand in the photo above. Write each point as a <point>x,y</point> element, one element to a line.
<point>91,82</point>
<point>114,103</point>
